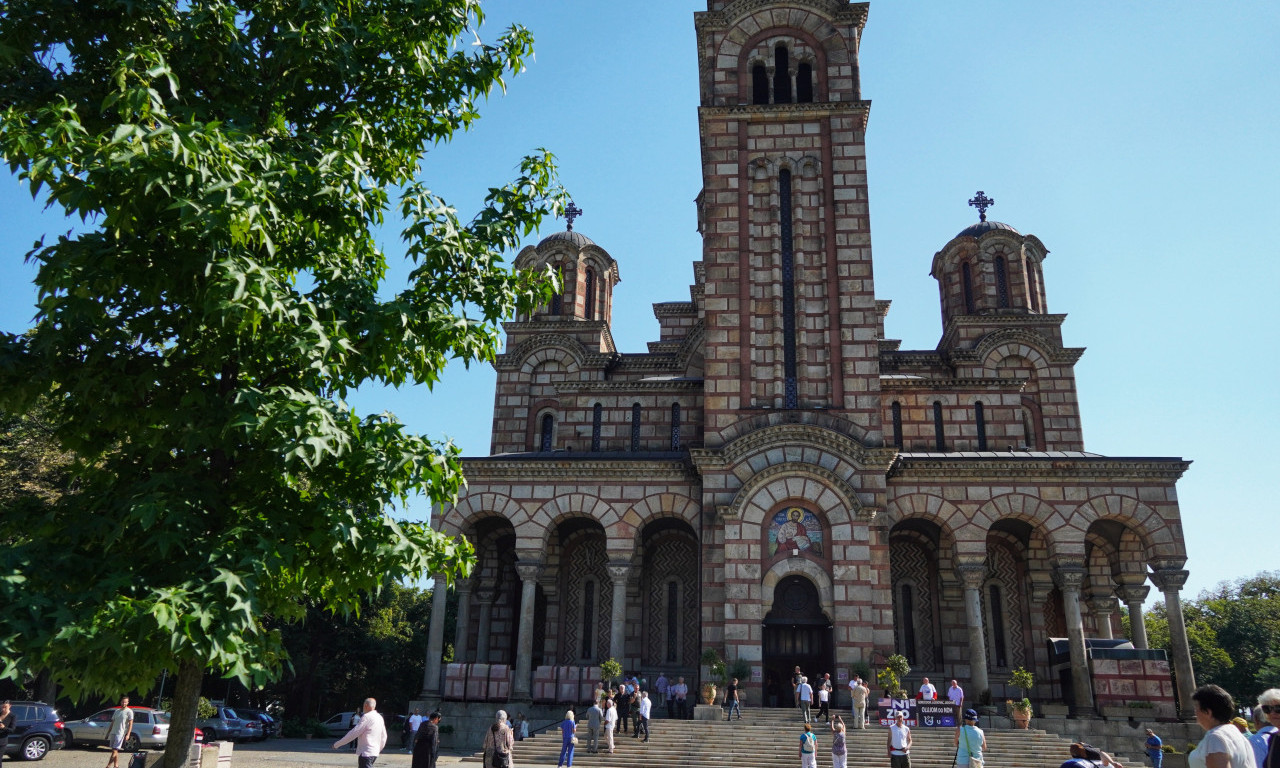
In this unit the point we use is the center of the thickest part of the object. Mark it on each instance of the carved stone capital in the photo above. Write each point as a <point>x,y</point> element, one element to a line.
<point>1068,577</point>
<point>972,575</point>
<point>529,571</point>
<point>1103,606</point>
<point>464,586</point>
<point>1170,580</point>
<point>619,572</point>
<point>1133,593</point>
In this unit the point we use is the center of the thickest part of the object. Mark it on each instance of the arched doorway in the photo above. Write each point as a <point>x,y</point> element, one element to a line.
<point>796,634</point>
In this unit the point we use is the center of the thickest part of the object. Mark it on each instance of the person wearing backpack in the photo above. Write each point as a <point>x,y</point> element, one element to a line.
<point>498,743</point>
<point>971,742</point>
<point>808,748</point>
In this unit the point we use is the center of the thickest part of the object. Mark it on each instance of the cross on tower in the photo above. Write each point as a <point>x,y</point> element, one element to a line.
<point>979,201</point>
<point>571,212</point>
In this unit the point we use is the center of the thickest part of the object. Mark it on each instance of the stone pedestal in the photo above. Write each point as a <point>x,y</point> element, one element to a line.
<point>713,712</point>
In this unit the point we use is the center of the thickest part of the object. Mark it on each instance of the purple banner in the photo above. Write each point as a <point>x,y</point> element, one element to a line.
<point>920,714</point>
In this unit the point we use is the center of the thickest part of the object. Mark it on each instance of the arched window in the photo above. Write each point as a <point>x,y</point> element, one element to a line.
<point>939,437</point>
<point>597,415</point>
<point>759,85</point>
<point>1002,283</point>
<point>908,623</point>
<point>896,410</point>
<point>804,83</point>
<point>673,621</point>
<point>781,76</point>
<point>547,433</point>
<point>556,304</point>
<point>966,277</point>
<point>790,386</point>
<point>979,416</point>
<point>675,426</point>
<point>1029,429</point>
<point>588,618</point>
<point>589,311</point>
<point>999,646</point>
<point>635,426</point>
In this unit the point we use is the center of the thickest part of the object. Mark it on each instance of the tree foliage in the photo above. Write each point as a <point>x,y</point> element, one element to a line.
<point>231,161</point>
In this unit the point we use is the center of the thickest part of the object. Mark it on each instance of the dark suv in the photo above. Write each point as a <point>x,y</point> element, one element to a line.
<point>37,728</point>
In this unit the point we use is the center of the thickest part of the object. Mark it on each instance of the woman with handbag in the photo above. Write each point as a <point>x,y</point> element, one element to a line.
<point>568,727</point>
<point>498,743</point>
<point>971,742</point>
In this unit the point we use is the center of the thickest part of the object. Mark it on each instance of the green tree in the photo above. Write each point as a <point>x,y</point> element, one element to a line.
<point>231,161</point>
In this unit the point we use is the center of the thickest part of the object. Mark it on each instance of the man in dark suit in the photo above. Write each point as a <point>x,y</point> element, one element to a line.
<point>426,747</point>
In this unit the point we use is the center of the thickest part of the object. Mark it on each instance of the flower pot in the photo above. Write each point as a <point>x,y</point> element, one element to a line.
<point>1021,719</point>
<point>708,693</point>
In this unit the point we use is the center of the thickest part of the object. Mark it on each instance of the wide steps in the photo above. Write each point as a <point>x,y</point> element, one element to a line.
<point>769,738</point>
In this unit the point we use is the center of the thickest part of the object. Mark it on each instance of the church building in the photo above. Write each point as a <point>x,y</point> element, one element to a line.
<point>773,478</point>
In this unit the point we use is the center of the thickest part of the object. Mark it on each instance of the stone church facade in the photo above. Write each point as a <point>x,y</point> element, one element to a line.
<point>775,479</point>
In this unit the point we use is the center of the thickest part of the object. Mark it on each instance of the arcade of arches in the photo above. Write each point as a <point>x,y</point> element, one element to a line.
<point>773,477</point>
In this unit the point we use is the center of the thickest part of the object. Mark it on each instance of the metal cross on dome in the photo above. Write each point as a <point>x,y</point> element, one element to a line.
<point>982,203</point>
<point>571,212</point>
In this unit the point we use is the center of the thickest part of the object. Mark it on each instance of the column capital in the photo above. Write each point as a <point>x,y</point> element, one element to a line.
<point>1133,593</point>
<point>1103,605</point>
<point>1069,578</point>
<point>529,571</point>
<point>1172,579</point>
<point>464,586</point>
<point>619,571</point>
<point>972,575</point>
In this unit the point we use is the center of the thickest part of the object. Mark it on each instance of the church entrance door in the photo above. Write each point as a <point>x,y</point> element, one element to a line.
<point>796,634</point>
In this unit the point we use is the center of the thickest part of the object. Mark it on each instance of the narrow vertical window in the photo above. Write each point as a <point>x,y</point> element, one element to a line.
<point>673,622</point>
<point>1002,283</point>
<point>896,410</point>
<point>1033,277</point>
<point>939,438</point>
<point>1000,647</point>
<point>980,417</point>
<point>804,83</point>
<point>675,426</point>
<point>908,624</point>
<point>635,427</point>
<point>791,389</point>
<point>781,76</point>
<point>589,311</point>
<point>588,618</point>
<point>966,277</point>
<point>597,415</point>
<point>759,85</point>
<point>556,304</point>
<point>547,433</point>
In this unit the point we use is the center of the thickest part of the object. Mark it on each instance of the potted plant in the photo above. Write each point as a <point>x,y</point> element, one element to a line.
<point>715,671</point>
<point>610,670</point>
<point>1020,710</point>
<point>896,668</point>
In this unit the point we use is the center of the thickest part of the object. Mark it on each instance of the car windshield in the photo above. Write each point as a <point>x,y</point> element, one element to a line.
<point>162,718</point>
<point>230,714</point>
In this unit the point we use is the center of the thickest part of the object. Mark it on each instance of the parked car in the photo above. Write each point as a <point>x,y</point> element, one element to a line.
<point>150,729</point>
<point>270,726</point>
<point>339,724</point>
<point>37,728</point>
<point>227,724</point>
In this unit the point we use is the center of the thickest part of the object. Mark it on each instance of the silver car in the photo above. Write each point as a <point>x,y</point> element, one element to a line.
<point>150,729</point>
<point>226,724</point>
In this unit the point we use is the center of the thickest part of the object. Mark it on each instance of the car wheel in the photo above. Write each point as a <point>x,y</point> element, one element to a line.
<point>133,743</point>
<point>209,735</point>
<point>71,740</point>
<point>35,748</point>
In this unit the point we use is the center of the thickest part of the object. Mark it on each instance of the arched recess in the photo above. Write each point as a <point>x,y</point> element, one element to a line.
<point>626,530</point>
<point>915,551</point>
<point>818,488</point>
<point>1005,599</point>
<point>936,509</point>
<point>566,506</point>
<point>1158,539</point>
<point>797,606</point>
<point>670,593</point>
<point>493,626</point>
<point>1058,529</point>
<point>584,592</point>
<point>462,516</point>
<point>807,36</point>
<point>537,350</point>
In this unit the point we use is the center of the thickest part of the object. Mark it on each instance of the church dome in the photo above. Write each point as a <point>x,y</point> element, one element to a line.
<point>976,230</point>
<point>577,238</point>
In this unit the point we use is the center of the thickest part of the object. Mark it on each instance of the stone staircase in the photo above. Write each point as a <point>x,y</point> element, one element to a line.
<point>769,738</point>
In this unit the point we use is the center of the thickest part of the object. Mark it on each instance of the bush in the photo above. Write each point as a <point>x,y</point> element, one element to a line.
<point>301,729</point>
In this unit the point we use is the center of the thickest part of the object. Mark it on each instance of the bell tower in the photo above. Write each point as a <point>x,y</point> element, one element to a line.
<point>791,318</point>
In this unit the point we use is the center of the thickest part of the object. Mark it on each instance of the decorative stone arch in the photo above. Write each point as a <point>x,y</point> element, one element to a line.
<point>1159,540</point>
<point>924,506</point>
<point>807,27</point>
<point>469,509</point>
<point>692,346</point>
<point>798,566</point>
<point>1056,527</point>
<point>623,535</point>
<point>540,525</point>
<point>820,438</point>
<point>550,346</point>
<point>824,490</point>
<point>1013,342</point>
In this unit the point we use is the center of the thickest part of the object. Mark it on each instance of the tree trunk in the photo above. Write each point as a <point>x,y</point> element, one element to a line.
<point>182,720</point>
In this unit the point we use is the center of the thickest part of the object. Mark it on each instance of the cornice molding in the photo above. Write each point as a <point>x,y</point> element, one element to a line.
<point>861,109</point>
<point>674,309</point>
<point>891,382</point>
<point>681,385</point>
<point>783,435</point>
<point>490,470</point>
<point>1045,468</point>
<point>837,10</point>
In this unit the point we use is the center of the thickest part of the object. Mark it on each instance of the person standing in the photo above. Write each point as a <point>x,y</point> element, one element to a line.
<point>1264,732</point>
<point>1269,703</point>
<point>956,694</point>
<point>369,735</point>
<point>610,723</point>
<point>858,692</point>
<point>805,694</point>
<point>643,708</point>
<point>661,685</point>
<point>623,700</point>
<point>824,698</point>
<point>568,739</point>
<point>731,699</point>
<point>426,743</point>
<point>899,742</point>
<point>415,722</point>
<point>808,748</point>
<point>499,741</point>
<point>839,751</point>
<point>1223,746</point>
<point>1154,749</point>
<point>595,718</point>
<point>971,742</point>
<point>635,711</point>
<point>522,727</point>
<point>796,677</point>
<point>118,734</point>
<point>7,724</point>
<point>927,691</point>
<point>682,693</point>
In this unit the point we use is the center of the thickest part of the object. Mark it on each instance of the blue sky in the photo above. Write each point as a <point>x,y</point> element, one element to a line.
<point>1137,140</point>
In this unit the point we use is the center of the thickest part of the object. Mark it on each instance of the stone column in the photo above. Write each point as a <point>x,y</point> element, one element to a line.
<point>463,588</point>
<point>485,598</point>
<point>972,575</point>
<point>1134,595</point>
<point>618,629</point>
<point>1102,606</point>
<point>435,636</point>
<point>1069,578</point>
<point>1170,582</point>
<point>520,684</point>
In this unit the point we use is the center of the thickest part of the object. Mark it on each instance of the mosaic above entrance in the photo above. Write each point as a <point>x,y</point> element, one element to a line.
<point>795,528</point>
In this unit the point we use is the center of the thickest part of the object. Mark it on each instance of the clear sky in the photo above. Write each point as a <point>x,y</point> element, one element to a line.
<point>1138,140</point>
